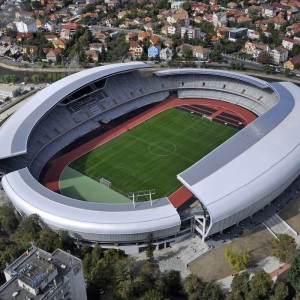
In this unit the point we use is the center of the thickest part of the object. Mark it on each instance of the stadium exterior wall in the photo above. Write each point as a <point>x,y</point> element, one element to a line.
<point>247,181</point>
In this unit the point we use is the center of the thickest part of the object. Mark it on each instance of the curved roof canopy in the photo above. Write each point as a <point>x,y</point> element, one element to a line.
<point>55,209</point>
<point>17,130</point>
<point>253,163</point>
<point>246,168</point>
<point>252,80</point>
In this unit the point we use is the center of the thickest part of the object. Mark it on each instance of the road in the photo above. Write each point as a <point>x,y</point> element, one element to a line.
<point>112,29</point>
<point>248,64</point>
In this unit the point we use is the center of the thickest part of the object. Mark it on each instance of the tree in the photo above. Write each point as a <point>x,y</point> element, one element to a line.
<point>294,274</point>
<point>150,247</point>
<point>283,247</point>
<point>295,51</point>
<point>8,220</point>
<point>261,284</point>
<point>239,286</point>
<point>125,289</point>
<point>125,269</point>
<point>211,292</point>
<point>150,271</point>
<point>28,231</point>
<point>269,69</point>
<point>173,282</point>
<point>152,295</point>
<point>281,291</point>
<point>215,55</point>
<point>186,6</point>
<point>198,290</point>
<point>48,240</point>
<point>238,260</point>
<point>193,286</point>
<point>188,53</point>
<point>264,57</point>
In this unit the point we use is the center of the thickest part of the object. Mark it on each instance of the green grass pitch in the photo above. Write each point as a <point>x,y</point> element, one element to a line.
<point>150,155</point>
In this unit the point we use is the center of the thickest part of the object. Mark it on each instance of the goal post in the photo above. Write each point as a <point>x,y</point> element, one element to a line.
<point>207,118</point>
<point>105,182</point>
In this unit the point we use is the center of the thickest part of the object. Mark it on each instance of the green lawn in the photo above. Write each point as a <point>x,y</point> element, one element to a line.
<point>78,186</point>
<point>150,155</point>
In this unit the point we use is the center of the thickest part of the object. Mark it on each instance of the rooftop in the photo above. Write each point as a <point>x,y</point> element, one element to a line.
<point>37,274</point>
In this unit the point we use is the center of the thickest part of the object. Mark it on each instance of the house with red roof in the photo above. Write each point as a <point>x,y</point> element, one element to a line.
<point>287,43</point>
<point>292,63</point>
<point>136,48</point>
<point>53,54</point>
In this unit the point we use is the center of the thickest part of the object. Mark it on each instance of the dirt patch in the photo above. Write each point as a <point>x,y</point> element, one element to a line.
<point>213,265</point>
<point>291,214</point>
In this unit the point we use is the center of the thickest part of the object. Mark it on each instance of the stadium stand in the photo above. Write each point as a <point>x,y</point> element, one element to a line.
<point>113,91</point>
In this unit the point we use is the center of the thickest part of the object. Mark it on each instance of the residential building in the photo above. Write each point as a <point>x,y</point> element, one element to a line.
<point>136,48</point>
<point>177,4</point>
<point>279,21</point>
<point>288,43</point>
<point>254,10</point>
<point>50,25</point>
<point>254,49</point>
<point>253,34</point>
<point>172,29</point>
<point>60,43</point>
<point>296,40</point>
<point>65,33</point>
<point>24,36</point>
<point>219,19</point>
<point>269,11</point>
<point>92,55</point>
<point>153,51</point>
<point>292,63</point>
<point>154,40</point>
<point>279,55</point>
<point>29,49</point>
<point>244,20</point>
<point>38,274</point>
<point>200,52</point>
<point>191,32</point>
<point>144,36</point>
<point>232,5</point>
<point>166,54</point>
<point>27,26</point>
<point>100,47</point>
<point>130,35</point>
<point>53,54</point>
<point>7,90</point>
<point>102,36</point>
<point>181,17</point>
<point>237,33</point>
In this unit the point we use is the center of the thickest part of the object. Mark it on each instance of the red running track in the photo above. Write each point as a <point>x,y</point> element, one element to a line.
<point>51,178</point>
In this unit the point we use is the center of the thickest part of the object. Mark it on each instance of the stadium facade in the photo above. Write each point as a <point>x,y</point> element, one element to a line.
<point>233,182</point>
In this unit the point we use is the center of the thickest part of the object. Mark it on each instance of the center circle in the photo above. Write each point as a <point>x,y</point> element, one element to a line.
<point>162,148</point>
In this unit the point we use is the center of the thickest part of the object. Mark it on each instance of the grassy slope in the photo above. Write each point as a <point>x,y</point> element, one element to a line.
<point>152,154</point>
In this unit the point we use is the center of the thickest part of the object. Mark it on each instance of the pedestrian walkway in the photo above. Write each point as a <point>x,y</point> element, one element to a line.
<point>277,226</point>
<point>179,255</point>
<point>270,264</point>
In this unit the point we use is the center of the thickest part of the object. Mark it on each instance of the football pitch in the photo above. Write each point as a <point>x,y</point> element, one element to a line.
<point>150,155</point>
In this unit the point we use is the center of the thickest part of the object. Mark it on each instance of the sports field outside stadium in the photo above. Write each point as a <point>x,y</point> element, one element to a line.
<point>148,156</point>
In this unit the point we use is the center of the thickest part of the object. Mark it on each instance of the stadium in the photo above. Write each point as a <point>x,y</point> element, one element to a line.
<point>113,153</point>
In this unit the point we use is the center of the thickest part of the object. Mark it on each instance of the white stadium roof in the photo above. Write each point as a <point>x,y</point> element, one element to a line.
<point>16,132</point>
<point>226,183</point>
<point>251,166</point>
<point>63,212</point>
